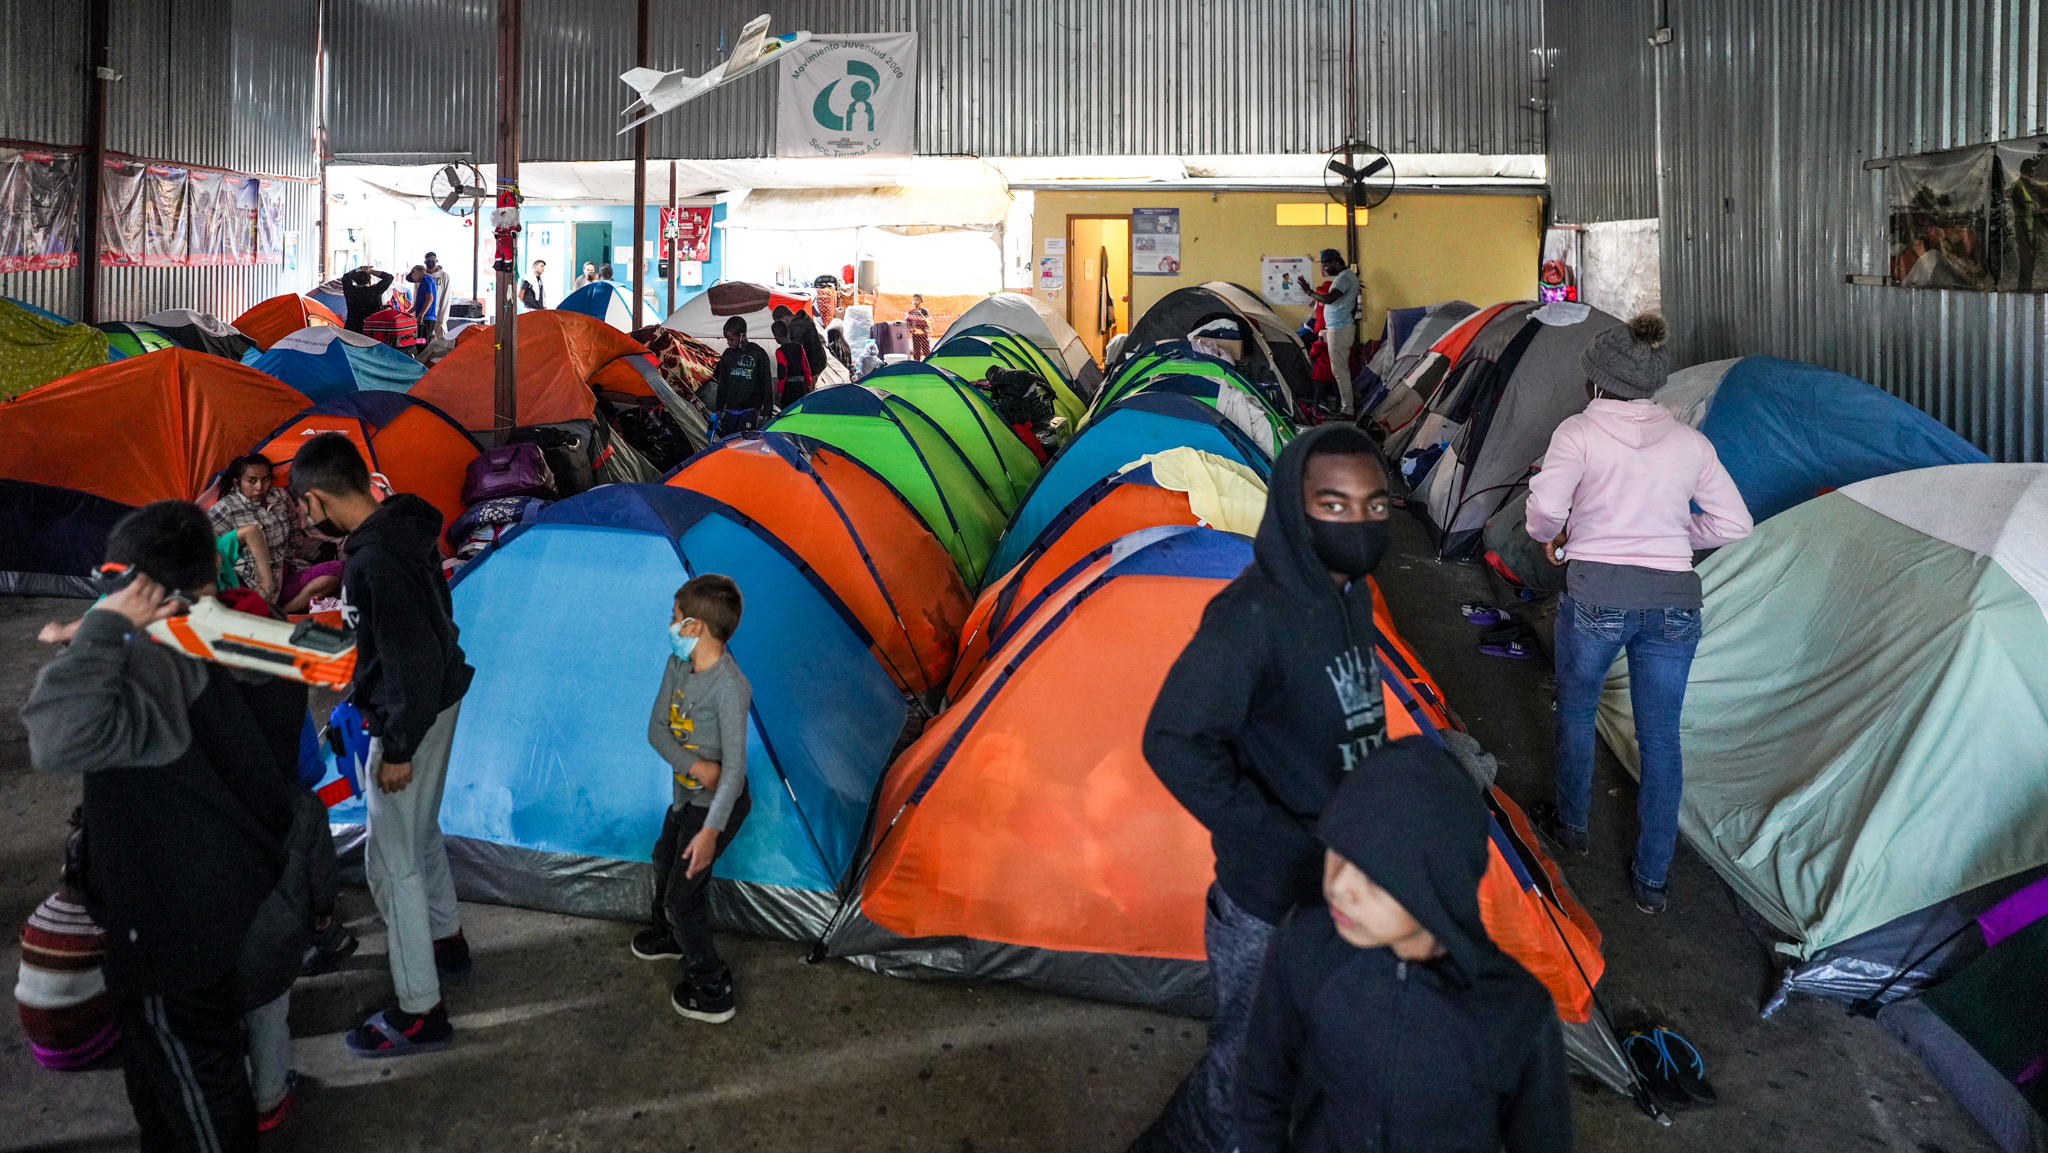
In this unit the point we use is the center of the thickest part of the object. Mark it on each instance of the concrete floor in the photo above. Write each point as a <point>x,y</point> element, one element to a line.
<point>567,1044</point>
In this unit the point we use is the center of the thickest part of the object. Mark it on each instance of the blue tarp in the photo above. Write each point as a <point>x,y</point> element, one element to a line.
<point>325,362</point>
<point>1788,431</point>
<point>564,621</point>
<point>1138,426</point>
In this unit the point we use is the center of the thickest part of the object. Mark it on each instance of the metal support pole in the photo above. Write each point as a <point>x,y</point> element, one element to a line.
<point>320,150</point>
<point>93,165</point>
<point>640,185</point>
<point>505,386</point>
<point>675,254</point>
<point>1351,189</point>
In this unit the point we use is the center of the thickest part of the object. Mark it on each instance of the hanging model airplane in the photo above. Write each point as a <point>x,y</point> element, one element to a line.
<point>663,91</point>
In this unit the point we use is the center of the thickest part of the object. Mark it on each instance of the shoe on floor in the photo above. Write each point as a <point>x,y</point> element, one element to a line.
<point>397,1033</point>
<point>1649,898</point>
<point>452,959</point>
<point>712,1004</point>
<point>274,1116</point>
<point>1551,827</point>
<point>1512,650</point>
<point>330,947</point>
<point>655,944</point>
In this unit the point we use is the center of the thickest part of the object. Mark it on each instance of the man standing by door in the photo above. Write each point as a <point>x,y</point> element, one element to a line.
<point>1340,320</point>
<point>533,291</point>
<point>439,272</point>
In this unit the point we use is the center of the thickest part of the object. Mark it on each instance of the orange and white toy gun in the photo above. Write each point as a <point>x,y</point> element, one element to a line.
<point>303,651</point>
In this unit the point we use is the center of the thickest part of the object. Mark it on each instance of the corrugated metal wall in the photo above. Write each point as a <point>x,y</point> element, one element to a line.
<point>1603,123</point>
<point>219,83</point>
<point>998,77</point>
<point>1770,109</point>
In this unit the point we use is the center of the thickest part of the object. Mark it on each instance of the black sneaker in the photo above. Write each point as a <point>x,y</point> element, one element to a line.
<point>330,947</point>
<point>655,944</point>
<point>713,1005</point>
<point>1649,898</point>
<point>1551,827</point>
<point>452,960</point>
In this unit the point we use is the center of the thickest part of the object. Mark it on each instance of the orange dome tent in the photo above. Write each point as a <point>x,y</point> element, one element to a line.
<point>1010,848</point>
<point>562,357</point>
<point>413,444</point>
<point>856,533</point>
<point>272,320</point>
<point>81,450</point>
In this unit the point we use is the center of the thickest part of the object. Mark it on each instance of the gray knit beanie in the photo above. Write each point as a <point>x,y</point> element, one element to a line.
<point>1628,361</point>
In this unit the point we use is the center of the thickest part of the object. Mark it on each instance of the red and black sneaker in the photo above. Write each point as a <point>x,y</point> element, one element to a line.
<point>452,959</point>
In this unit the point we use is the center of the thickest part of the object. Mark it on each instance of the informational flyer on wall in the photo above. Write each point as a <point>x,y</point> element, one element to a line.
<point>1052,272</point>
<point>1155,242</point>
<point>1280,279</point>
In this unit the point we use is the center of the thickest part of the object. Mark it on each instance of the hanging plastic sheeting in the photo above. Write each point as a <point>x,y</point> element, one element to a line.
<point>853,530</point>
<point>153,427</point>
<point>1139,426</point>
<point>554,797</point>
<point>1179,486</point>
<point>200,332</point>
<point>971,421</point>
<point>1037,321</point>
<point>35,350</point>
<point>272,320</point>
<point>1835,795</point>
<point>1011,849</point>
<point>328,361</point>
<point>416,446</point>
<point>602,300</point>
<point>913,453</point>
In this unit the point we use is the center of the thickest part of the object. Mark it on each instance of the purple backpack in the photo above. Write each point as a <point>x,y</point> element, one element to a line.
<point>513,470</point>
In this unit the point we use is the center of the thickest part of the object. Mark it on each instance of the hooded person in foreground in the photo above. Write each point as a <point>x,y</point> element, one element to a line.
<point>1275,699</point>
<point>1388,1020</point>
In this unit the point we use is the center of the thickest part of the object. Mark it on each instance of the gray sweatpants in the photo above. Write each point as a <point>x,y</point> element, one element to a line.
<point>407,865</point>
<point>1201,1117</point>
<point>270,1050</point>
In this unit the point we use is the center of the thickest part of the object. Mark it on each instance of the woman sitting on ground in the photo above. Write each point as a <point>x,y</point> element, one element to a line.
<point>276,558</point>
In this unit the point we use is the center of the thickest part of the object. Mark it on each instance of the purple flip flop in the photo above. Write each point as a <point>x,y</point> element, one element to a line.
<point>1483,615</point>
<point>1512,650</point>
<point>378,1038</point>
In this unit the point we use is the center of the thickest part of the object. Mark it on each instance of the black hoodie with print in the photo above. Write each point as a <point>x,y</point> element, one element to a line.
<point>408,664</point>
<point>1272,702</point>
<point>1352,1050</point>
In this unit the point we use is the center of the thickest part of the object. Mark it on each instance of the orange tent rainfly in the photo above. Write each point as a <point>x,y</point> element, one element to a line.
<point>416,447</point>
<point>272,320</point>
<point>81,450</point>
<point>857,534</point>
<point>562,357</point>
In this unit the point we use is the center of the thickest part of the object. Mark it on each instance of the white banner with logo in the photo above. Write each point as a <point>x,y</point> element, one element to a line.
<point>849,96</point>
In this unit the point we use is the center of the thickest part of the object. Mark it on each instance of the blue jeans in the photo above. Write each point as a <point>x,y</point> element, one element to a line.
<point>1660,644</point>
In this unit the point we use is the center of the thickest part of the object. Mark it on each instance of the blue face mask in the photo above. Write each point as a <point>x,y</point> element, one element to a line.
<point>679,644</point>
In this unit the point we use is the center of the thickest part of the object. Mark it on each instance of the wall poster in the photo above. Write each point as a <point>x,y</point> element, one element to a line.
<point>38,210</point>
<point>1155,242</point>
<point>1277,279</point>
<point>1941,220</point>
<point>1052,272</point>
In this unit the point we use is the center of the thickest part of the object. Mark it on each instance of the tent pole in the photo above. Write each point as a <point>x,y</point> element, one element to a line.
<point>505,387</point>
<point>93,163</point>
<point>640,185</point>
<point>675,255</point>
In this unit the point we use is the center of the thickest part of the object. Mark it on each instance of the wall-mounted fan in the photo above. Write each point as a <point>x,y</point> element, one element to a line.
<point>457,189</point>
<point>1358,175</point>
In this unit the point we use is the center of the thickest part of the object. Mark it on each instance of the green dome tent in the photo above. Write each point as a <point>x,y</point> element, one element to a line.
<point>1006,466</point>
<point>36,350</point>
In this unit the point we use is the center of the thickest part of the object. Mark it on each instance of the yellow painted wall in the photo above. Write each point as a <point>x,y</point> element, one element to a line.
<point>1418,249</point>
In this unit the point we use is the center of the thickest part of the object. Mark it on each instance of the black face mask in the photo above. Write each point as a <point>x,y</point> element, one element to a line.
<point>1351,547</point>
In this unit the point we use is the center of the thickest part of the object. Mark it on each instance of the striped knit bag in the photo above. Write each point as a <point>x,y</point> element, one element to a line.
<point>65,1011</point>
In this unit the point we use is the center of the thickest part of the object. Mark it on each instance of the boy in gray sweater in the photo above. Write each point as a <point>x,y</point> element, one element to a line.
<point>699,726</point>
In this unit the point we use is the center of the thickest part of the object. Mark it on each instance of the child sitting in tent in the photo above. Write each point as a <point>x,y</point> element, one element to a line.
<point>278,564</point>
<point>1388,1018</point>
<point>699,726</point>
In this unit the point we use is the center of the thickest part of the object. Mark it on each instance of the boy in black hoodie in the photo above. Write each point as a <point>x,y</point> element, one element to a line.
<point>1275,699</point>
<point>1389,1020</point>
<point>187,818</point>
<point>410,677</point>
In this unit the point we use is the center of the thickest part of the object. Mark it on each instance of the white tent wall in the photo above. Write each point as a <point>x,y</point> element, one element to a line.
<point>946,263</point>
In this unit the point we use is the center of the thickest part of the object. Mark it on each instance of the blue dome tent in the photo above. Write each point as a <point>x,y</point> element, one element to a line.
<point>324,362</point>
<point>554,797</point>
<point>602,300</point>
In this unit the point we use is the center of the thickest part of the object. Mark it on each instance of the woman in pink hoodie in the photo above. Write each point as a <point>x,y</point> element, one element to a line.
<point>1614,503</point>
